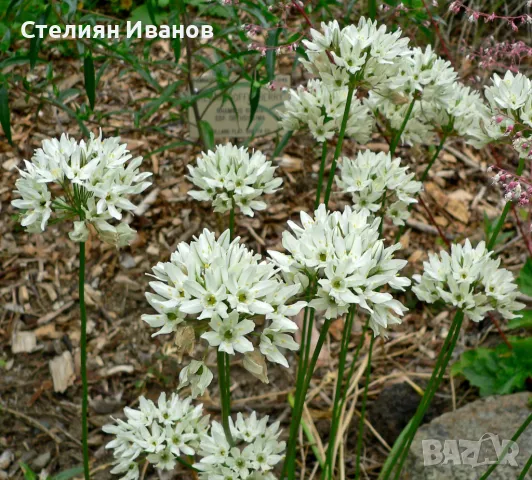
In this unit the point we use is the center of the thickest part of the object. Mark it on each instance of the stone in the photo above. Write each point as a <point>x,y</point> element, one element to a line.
<point>482,427</point>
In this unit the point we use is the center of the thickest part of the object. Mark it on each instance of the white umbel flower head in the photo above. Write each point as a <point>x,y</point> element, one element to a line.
<point>95,180</point>
<point>159,432</point>
<point>363,53</point>
<point>197,375</point>
<point>232,176</point>
<point>319,107</point>
<point>510,102</point>
<point>370,176</point>
<point>342,252</point>
<point>226,293</point>
<point>469,280</point>
<point>426,80</point>
<point>256,452</point>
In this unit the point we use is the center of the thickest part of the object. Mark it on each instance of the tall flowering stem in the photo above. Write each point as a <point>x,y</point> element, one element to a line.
<point>341,134</point>
<point>401,447</point>
<point>232,220</point>
<point>289,468</point>
<point>344,345</point>
<point>83,341</point>
<point>363,410</point>
<point>516,436</point>
<point>397,136</point>
<point>393,146</point>
<point>320,177</point>
<point>224,381</point>
<point>424,176</point>
<point>507,207</point>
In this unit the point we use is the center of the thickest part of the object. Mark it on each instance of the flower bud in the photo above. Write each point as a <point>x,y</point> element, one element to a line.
<point>185,341</point>
<point>255,364</point>
<point>80,232</point>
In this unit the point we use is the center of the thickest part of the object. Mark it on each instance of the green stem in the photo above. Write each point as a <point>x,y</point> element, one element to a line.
<point>232,220</point>
<point>83,342</point>
<point>225,394</point>
<point>363,410</point>
<point>289,467</point>
<point>423,178</point>
<point>353,363</point>
<point>502,218</point>
<point>517,434</point>
<point>526,468</point>
<point>397,136</point>
<point>186,464</point>
<point>432,389</point>
<point>434,157</point>
<point>400,448</point>
<point>320,177</point>
<point>336,414</point>
<point>341,134</point>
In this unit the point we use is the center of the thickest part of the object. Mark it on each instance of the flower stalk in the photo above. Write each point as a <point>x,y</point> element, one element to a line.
<point>289,468</point>
<point>401,447</point>
<point>320,177</point>
<point>224,382</point>
<point>83,347</point>
<point>341,134</point>
<point>363,410</point>
<point>344,346</point>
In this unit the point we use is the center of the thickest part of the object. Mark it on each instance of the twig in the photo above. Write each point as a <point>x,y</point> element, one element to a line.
<point>433,221</point>
<point>31,421</point>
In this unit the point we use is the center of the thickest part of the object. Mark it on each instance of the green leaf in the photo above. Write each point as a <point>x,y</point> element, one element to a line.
<point>68,474</point>
<point>176,46</point>
<point>36,40</point>
<point>90,79</point>
<point>254,99</point>
<point>524,322</point>
<point>525,278</point>
<point>5,117</point>
<point>498,371</point>
<point>271,42</point>
<point>29,474</point>
<point>207,134</point>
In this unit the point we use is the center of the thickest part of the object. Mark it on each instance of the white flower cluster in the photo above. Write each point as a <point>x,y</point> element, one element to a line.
<point>162,432</point>
<point>440,101</point>
<point>256,453</point>
<point>229,177</point>
<point>221,288</point>
<point>370,176</point>
<point>470,280</point>
<point>343,253</point>
<point>363,53</point>
<point>95,180</point>
<point>510,101</point>
<point>320,108</point>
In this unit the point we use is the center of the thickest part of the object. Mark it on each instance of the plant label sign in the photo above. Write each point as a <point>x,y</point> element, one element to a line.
<point>229,116</point>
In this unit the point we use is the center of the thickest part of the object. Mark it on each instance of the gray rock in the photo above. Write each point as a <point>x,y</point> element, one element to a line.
<point>486,424</point>
<point>41,461</point>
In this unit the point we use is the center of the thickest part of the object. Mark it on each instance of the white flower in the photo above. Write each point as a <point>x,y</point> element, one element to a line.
<point>161,432</point>
<point>229,175</point>
<point>94,182</point>
<point>370,176</point>
<point>469,280</point>
<point>257,451</point>
<point>363,53</point>
<point>223,290</point>
<point>342,252</point>
<point>197,375</point>
<point>229,335</point>
<point>319,107</point>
